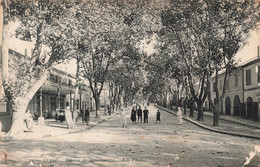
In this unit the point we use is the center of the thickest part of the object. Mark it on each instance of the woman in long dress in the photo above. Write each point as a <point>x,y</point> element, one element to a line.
<point>179,116</point>
<point>87,116</point>
<point>123,118</point>
<point>70,123</point>
<point>133,115</point>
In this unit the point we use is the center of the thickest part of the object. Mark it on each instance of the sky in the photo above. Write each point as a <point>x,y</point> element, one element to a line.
<point>247,53</point>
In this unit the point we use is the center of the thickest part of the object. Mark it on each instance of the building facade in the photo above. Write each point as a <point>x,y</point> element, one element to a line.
<point>54,95</point>
<point>57,93</point>
<point>242,96</point>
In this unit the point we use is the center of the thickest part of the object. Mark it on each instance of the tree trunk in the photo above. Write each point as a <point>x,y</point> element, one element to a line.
<point>76,95</point>
<point>18,125</point>
<point>191,107</point>
<point>200,112</point>
<point>4,51</point>
<point>20,104</point>
<point>184,107</point>
<point>216,115</point>
<point>97,103</point>
<point>4,36</point>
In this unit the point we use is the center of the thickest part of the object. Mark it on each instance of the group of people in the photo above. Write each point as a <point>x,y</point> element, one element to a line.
<point>139,113</point>
<point>67,115</point>
<point>85,115</point>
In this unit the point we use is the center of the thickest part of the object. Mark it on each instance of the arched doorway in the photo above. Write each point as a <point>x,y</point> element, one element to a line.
<point>228,106</point>
<point>236,105</point>
<point>249,107</point>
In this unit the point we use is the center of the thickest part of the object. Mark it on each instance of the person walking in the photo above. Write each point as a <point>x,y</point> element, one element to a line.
<point>133,115</point>
<point>123,118</point>
<point>70,123</point>
<point>179,115</point>
<point>158,116</point>
<point>82,114</point>
<point>146,112</point>
<point>87,116</point>
<point>109,110</point>
<point>139,114</point>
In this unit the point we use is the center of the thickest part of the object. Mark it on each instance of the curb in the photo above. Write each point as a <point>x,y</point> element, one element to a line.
<point>92,125</point>
<point>208,128</point>
<point>238,122</point>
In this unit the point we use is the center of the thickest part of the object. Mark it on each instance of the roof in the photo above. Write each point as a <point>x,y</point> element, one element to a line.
<point>250,62</point>
<point>242,64</point>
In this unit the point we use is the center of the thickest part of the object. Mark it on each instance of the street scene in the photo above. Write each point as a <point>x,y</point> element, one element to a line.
<point>154,144</point>
<point>171,83</point>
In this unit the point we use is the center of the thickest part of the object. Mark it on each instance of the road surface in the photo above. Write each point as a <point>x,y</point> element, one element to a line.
<point>152,144</point>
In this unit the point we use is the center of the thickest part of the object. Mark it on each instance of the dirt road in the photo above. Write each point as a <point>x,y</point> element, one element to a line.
<point>152,144</point>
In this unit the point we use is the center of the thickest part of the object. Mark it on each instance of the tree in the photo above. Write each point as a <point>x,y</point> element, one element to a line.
<point>117,25</point>
<point>208,35</point>
<point>39,22</point>
<point>126,76</point>
<point>234,22</point>
<point>99,45</point>
<point>186,42</point>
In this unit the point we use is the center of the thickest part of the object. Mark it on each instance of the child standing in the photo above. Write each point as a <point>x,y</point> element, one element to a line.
<point>158,116</point>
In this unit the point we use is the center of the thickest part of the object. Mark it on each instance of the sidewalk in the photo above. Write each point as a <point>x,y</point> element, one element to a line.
<point>53,128</point>
<point>230,125</point>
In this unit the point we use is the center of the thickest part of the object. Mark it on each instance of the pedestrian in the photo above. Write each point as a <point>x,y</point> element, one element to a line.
<point>109,110</point>
<point>146,112</point>
<point>70,123</point>
<point>61,116</point>
<point>29,120</point>
<point>179,115</point>
<point>139,114</point>
<point>87,116</point>
<point>82,113</point>
<point>123,118</point>
<point>158,116</point>
<point>133,115</point>
<point>56,114</point>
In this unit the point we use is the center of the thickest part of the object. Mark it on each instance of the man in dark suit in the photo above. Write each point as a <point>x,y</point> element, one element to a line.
<point>146,112</point>
<point>139,114</point>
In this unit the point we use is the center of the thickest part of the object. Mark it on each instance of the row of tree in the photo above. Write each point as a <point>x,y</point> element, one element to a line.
<point>198,40</point>
<point>195,38</point>
<point>98,34</point>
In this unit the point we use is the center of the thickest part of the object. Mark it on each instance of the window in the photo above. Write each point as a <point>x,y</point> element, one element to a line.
<point>227,84</point>
<point>62,102</point>
<point>56,79</point>
<point>236,80</point>
<point>248,77</point>
<point>25,52</point>
<point>52,77</point>
<point>258,74</point>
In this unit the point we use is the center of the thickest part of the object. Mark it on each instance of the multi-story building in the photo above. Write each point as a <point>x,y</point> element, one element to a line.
<point>242,96</point>
<point>54,95</point>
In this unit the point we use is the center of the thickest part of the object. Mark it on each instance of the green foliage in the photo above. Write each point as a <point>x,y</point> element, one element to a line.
<point>194,38</point>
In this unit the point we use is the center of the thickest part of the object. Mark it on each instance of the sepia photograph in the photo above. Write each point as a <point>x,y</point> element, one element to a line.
<point>130,83</point>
